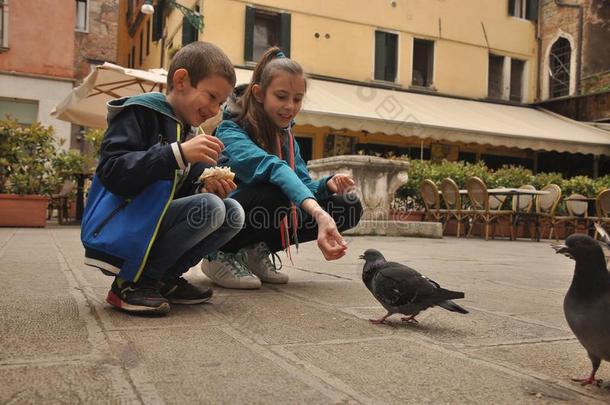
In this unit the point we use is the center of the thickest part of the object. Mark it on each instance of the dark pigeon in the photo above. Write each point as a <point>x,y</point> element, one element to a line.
<point>587,302</point>
<point>402,290</point>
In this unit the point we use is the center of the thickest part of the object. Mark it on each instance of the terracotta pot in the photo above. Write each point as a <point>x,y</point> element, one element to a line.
<point>23,210</point>
<point>416,216</point>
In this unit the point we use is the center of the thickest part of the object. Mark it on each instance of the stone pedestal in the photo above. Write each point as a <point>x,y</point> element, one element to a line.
<point>377,180</point>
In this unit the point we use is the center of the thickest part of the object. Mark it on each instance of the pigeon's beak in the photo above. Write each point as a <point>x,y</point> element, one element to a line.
<point>563,249</point>
<point>361,257</point>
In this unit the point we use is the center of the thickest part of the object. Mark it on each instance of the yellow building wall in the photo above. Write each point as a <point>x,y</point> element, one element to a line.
<point>464,31</point>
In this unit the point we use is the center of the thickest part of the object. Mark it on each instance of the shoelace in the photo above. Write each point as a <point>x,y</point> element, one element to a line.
<point>235,260</point>
<point>263,253</point>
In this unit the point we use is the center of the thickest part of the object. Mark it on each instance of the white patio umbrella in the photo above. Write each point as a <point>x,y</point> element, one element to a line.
<point>86,104</point>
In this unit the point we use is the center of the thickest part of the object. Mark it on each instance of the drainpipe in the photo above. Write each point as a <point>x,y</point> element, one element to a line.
<point>581,20</point>
<point>539,62</point>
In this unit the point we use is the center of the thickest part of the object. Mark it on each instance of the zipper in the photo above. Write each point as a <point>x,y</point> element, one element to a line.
<point>109,217</point>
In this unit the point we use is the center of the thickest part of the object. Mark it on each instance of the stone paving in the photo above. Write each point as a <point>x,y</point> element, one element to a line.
<point>306,342</point>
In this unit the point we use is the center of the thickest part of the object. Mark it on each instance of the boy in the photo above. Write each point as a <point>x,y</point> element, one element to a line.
<point>145,221</point>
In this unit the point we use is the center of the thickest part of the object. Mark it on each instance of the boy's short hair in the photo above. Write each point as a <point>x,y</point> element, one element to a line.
<point>201,59</point>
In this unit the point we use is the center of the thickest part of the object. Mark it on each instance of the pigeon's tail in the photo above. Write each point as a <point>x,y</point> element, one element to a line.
<point>452,306</point>
<point>450,295</point>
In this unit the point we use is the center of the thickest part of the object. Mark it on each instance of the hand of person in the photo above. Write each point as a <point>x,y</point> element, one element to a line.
<point>221,187</point>
<point>340,183</point>
<point>330,241</point>
<point>202,148</point>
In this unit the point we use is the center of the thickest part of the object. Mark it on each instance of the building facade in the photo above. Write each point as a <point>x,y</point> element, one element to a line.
<point>437,50</point>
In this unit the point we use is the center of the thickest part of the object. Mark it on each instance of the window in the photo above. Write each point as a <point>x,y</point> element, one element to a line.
<point>159,21</point>
<point>386,56</point>
<point>265,29</point>
<point>24,111</point>
<point>189,33</point>
<point>3,24</point>
<point>517,70</point>
<point>141,56</point>
<point>559,68</point>
<point>306,147</point>
<point>147,37</point>
<point>81,15</point>
<point>423,62</point>
<point>495,81</point>
<point>527,9</point>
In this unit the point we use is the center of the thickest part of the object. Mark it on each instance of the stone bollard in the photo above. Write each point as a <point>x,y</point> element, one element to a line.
<point>377,180</point>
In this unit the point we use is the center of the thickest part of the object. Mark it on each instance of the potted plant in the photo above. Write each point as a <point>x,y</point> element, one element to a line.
<point>26,173</point>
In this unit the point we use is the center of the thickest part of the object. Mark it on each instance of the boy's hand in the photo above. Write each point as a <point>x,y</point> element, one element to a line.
<point>202,148</point>
<point>221,187</point>
<point>340,183</point>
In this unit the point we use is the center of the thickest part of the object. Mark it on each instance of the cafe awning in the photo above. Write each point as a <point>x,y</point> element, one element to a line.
<point>361,108</point>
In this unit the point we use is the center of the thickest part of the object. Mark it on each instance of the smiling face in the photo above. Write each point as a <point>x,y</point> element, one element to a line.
<point>283,97</point>
<point>194,105</point>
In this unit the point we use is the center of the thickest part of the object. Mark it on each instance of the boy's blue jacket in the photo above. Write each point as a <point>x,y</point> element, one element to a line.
<point>252,164</point>
<point>137,177</point>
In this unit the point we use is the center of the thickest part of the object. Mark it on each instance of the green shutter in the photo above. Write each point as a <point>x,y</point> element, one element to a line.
<point>158,21</point>
<point>532,10</point>
<point>249,35</point>
<point>380,55</point>
<point>285,33</point>
<point>189,33</point>
<point>391,57</point>
<point>511,7</point>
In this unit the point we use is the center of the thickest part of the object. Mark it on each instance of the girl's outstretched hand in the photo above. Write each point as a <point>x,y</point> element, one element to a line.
<point>340,183</point>
<point>330,241</point>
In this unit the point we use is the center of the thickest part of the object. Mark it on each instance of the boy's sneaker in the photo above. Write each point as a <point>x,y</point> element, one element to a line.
<point>229,271</point>
<point>258,262</point>
<point>180,291</point>
<point>138,298</point>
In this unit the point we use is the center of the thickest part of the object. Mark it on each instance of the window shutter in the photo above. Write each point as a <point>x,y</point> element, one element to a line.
<point>189,33</point>
<point>249,34</point>
<point>285,33</point>
<point>391,55</point>
<point>158,21</point>
<point>532,10</point>
<point>380,55</point>
<point>511,7</point>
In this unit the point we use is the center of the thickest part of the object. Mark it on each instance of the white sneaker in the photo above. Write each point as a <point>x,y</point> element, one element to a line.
<point>258,262</point>
<point>229,271</point>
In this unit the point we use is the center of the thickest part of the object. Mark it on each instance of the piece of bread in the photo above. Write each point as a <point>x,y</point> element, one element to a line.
<point>217,173</point>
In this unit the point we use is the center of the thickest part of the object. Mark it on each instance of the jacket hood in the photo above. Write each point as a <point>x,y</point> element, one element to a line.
<point>154,101</point>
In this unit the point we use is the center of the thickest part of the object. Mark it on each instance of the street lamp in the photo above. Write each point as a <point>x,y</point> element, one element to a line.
<point>193,17</point>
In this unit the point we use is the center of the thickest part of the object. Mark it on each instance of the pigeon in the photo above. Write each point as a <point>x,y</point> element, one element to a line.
<point>587,303</point>
<point>402,290</point>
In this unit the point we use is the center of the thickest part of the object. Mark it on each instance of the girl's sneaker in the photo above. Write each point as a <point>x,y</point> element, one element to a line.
<point>259,263</point>
<point>229,271</point>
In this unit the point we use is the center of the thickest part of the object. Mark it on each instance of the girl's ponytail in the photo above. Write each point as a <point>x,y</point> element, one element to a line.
<point>253,117</point>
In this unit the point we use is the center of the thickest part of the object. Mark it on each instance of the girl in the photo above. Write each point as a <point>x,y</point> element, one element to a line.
<point>273,181</point>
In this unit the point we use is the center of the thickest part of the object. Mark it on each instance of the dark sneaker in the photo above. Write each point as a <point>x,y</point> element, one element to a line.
<point>137,298</point>
<point>180,291</point>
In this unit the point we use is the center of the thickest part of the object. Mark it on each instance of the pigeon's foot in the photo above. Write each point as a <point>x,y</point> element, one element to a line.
<point>377,321</point>
<point>588,381</point>
<point>409,319</point>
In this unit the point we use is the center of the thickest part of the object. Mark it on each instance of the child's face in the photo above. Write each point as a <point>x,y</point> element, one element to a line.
<point>283,99</point>
<point>194,105</point>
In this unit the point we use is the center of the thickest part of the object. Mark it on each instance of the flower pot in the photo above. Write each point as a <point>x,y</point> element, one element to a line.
<point>412,215</point>
<point>23,210</point>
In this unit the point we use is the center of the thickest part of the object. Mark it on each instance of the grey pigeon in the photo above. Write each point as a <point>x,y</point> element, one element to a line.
<point>402,290</point>
<point>587,302</point>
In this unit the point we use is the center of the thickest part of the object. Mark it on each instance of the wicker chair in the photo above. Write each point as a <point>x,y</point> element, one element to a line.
<point>546,205</point>
<point>61,202</point>
<point>479,197</point>
<point>453,204</point>
<point>522,207</point>
<point>577,212</point>
<point>602,208</point>
<point>432,201</point>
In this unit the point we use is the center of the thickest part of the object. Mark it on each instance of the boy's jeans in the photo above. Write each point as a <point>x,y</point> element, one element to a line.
<point>193,227</point>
